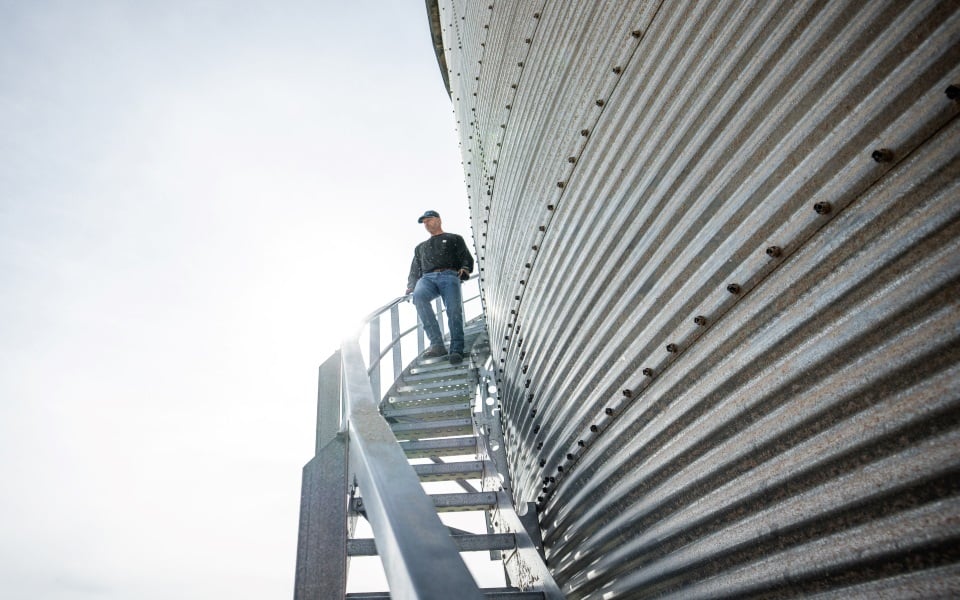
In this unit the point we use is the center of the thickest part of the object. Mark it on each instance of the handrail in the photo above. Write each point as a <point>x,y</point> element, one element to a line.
<point>419,557</point>
<point>377,350</point>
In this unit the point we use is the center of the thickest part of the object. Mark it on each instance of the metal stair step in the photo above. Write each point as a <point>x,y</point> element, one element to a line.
<point>464,501</point>
<point>458,446</point>
<point>428,429</point>
<point>460,382</point>
<point>430,395</point>
<point>454,372</point>
<point>471,469</point>
<point>441,366</point>
<point>426,411</point>
<point>464,543</point>
<point>489,594</point>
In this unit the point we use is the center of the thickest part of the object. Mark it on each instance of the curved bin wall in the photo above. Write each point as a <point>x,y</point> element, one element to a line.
<point>719,256</point>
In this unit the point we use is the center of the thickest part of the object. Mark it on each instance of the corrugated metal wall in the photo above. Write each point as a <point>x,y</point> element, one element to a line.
<point>720,260</point>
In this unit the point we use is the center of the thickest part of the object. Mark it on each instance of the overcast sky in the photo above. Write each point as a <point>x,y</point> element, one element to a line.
<point>197,200</point>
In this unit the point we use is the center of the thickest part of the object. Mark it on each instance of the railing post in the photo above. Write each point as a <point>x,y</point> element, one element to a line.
<point>395,335</point>
<point>375,356</point>
<point>440,319</point>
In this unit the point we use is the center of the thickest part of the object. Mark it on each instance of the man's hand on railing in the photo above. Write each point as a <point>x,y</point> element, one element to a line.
<point>463,274</point>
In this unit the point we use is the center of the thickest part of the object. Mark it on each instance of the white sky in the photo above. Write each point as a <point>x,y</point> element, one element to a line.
<point>197,199</point>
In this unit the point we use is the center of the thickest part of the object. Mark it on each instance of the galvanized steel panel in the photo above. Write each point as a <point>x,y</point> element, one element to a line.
<point>720,263</point>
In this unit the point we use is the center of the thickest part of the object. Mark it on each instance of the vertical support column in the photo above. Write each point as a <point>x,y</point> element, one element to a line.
<point>331,415</point>
<point>322,543</point>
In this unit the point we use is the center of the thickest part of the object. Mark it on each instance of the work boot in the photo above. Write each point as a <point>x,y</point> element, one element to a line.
<point>455,358</point>
<point>435,351</point>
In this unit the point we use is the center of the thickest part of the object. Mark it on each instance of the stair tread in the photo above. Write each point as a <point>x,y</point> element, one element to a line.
<point>450,471</point>
<point>452,446</point>
<point>426,410</point>
<point>420,395</point>
<point>440,428</point>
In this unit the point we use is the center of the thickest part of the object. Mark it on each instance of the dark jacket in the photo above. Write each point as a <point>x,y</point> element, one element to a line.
<point>443,251</point>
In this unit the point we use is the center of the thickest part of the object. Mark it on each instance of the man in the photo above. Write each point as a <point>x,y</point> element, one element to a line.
<point>439,265</point>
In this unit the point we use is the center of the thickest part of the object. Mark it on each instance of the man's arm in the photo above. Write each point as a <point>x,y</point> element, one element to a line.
<point>415,273</point>
<point>465,259</point>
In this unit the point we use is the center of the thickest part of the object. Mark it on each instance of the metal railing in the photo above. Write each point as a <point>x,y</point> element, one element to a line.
<point>419,557</point>
<point>402,342</point>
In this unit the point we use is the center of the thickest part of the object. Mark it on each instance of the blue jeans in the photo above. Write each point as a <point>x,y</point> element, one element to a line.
<point>446,285</point>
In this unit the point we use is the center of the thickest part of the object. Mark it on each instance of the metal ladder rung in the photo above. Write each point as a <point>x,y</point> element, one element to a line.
<point>472,469</point>
<point>465,543</point>
<point>464,501</point>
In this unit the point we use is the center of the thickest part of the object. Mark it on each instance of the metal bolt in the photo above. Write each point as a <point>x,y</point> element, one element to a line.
<point>733,288</point>
<point>520,64</point>
<point>700,320</point>
<point>559,468</point>
<point>618,70</point>
<point>549,207</point>
<point>536,429</point>
<point>535,248</point>
<point>636,33</point>
<point>570,456</point>
<point>882,155</point>
<point>533,412</point>
<point>543,228</point>
<point>516,297</point>
<point>508,107</point>
<point>512,85</point>
<point>774,251</point>
<point>822,208</point>
<point>581,443</point>
<point>552,480</point>
<point>584,132</point>
<point>572,159</point>
<point>536,15</point>
<point>628,393</point>
<point>609,411</point>
<point>594,428</point>
<point>527,41</point>
<point>539,447</point>
<point>600,102</point>
<point>671,347</point>
<point>953,92</point>
<point>560,184</point>
<point>543,463</point>
<point>528,265</point>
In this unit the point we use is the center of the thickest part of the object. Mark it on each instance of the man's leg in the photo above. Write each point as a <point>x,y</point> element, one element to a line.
<point>423,295</point>
<point>453,301</point>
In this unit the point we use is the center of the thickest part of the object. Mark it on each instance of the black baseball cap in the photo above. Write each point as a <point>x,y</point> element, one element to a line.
<point>427,215</point>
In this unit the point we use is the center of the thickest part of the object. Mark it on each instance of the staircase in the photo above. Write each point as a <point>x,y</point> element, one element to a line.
<point>434,413</point>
